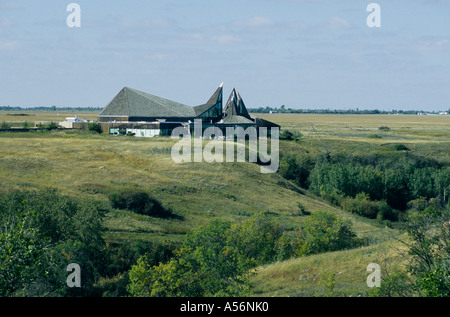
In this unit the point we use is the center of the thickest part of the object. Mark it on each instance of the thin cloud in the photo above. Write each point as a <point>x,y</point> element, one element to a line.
<point>255,22</point>
<point>337,23</point>
<point>226,39</point>
<point>8,46</point>
<point>10,5</point>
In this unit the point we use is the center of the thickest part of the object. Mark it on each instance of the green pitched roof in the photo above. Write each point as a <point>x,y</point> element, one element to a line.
<point>133,103</point>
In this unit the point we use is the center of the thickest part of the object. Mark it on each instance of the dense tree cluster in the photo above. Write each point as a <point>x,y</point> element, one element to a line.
<point>216,259</point>
<point>372,185</point>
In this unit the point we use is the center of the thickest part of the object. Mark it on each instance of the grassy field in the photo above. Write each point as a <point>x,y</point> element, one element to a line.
<point>17,118</point>
<point>83,164</point>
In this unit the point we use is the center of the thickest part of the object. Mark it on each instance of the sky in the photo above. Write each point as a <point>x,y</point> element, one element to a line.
<point>314,54</point>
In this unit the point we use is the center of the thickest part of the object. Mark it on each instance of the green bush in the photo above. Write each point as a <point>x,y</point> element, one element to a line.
<point>52,126</point>
<point>289,136</point>
<point>139,202</point>
<point>203,266</point>
<point>301,210</point>
<point>215,259</point>
<point>94,127</point>
<point>323,232</point>
<point>369,209</point>
<point>296,168</point>
<point>256,238</point>
<point>427,270</point>
<point>401,147</point>
<point>41,232</point>
<point>5,125</point>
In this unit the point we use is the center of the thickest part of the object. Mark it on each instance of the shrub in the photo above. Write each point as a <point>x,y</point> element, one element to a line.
<point>301,210</point>
<point>40,231</point>
<point>5,125</point>
<point>297,168</point>
<point>94,127</point>
<point>204,266</point>
<point>367,208</point>
<point>139,202</point>
<point>288,135</point>
<point>256,238</point>
<point>52,126</point>
<point>324,231</point>
<point>401,147</point>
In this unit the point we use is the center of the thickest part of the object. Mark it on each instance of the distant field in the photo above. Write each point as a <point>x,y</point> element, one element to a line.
<point>303,122</point>
<point>17,118</point>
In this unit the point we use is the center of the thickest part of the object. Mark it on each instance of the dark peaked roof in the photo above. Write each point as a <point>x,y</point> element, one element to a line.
<point>231,106</point>
<point>133,103</point>
<point>242,109</point>
<point>199,110</point>
<point>235,106</point>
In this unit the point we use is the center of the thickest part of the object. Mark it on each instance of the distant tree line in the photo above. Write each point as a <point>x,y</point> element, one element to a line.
<point>283,109</point>
<point>49,108</point>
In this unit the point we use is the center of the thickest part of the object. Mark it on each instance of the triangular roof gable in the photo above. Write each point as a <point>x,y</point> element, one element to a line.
<point>130,102</point>
<point>231,106</point>
<point>215,98</point>
<point>118,106</point>
<point>235,105</point>
<point>242,109</point>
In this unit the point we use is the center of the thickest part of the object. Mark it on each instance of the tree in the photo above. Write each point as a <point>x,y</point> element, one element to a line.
<point>23,259</point>
<point>94,127</point>
<point>427,273</point>
<point>323,232</point>
<point>41,232</point>
<point>203,266</point>
<point>256,239</point>
<point>296,168</point>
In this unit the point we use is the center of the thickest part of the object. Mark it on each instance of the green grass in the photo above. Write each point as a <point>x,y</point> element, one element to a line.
<point>88,165</point>
<point>302,277</point>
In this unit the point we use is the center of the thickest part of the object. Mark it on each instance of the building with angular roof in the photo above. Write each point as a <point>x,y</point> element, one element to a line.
<point>146,115</point>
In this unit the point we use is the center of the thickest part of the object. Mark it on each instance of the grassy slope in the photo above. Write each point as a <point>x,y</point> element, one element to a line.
<point>92,166</point>
<point>354,134</point>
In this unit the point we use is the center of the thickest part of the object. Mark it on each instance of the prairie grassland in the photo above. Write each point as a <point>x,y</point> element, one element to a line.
<point>329,122</point>
<point>87,165</point>
<point>427,135</point>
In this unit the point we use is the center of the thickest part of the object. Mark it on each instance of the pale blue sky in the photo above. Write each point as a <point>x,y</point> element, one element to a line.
<point>300,53</point>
